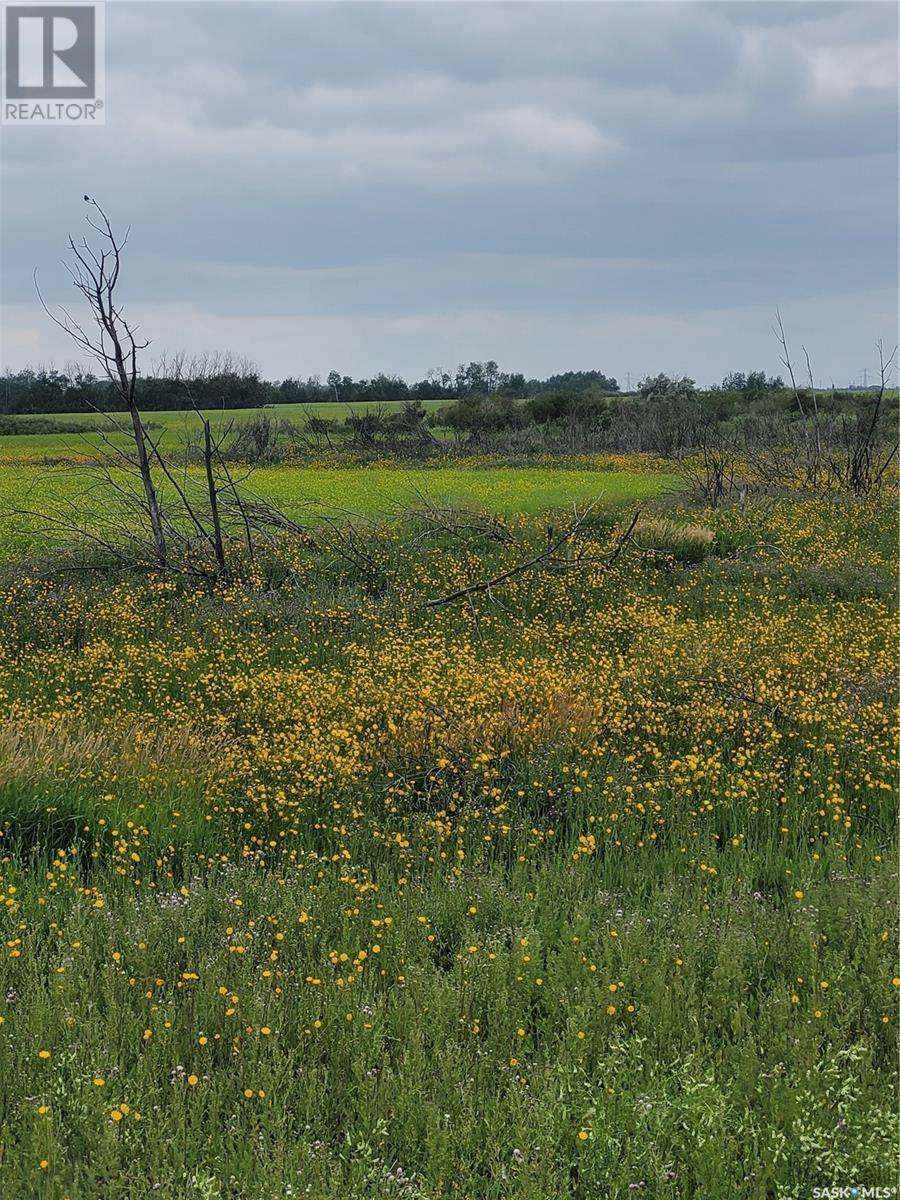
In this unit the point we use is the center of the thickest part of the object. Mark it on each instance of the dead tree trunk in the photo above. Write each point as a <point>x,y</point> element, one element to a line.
<point>864,473</point>
<point>218,544</point>
<point>112,343</point>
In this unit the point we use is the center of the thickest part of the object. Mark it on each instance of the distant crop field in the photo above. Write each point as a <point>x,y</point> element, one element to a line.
<point>175,427</point>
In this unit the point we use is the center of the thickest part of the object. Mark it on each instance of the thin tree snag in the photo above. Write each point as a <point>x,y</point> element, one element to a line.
<point>488,585</point>
<point>218,544</point>
<point>95,274</point>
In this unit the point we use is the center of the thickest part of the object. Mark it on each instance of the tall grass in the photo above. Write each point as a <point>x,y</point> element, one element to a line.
<point>585,888</point>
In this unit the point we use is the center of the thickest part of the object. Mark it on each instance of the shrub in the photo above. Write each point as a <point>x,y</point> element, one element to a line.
<point>477,415</point>
<point>549,407</point>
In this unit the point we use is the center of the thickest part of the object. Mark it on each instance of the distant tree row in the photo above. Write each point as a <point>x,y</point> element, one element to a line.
<point>754,383</point>
<point>224,381</point>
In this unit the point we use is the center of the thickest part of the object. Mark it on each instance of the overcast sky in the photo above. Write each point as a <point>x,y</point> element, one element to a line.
<point>631,187</point>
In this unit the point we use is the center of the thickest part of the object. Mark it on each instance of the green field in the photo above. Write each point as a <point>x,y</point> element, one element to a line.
<point>307,493</point>
<point>175,428</point>
<point>581,885</point>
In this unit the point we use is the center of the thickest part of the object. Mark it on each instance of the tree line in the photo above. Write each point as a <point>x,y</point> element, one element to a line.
<point>229,382</point>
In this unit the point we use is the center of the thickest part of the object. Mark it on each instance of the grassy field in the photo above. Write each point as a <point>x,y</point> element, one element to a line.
<point>583,887</point>
<point>307,493</point>
<point>171,428</point>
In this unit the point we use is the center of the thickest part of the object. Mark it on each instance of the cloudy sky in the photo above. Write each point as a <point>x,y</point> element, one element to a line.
<point>631,187</point>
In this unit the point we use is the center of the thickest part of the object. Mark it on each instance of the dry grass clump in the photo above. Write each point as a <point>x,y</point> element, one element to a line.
<point>685,543</point>
<point>69,748</point>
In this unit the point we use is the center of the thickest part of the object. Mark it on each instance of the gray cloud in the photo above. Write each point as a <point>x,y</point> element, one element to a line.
<point>420,176</point>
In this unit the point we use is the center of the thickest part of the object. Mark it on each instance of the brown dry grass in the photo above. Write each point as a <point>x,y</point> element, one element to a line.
<point>72,749</point>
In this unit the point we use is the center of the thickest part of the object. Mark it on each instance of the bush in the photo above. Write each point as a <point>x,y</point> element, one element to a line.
<point>10,426</point>
<point>261,438</point>
<point>549,407</point>
<point>475,415</point>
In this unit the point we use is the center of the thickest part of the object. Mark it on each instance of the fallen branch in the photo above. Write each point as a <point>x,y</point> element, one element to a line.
<point>488,585</point>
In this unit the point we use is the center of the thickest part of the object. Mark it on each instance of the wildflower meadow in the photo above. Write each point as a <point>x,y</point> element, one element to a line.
<point>583,884</point>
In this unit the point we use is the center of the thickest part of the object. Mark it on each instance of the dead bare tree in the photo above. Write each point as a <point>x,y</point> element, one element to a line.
<point>812,437</point>
<point>865,472</point>
<point>193,515</point>
<point>213,495</point>
<point>112,342</point>
<point>711,472</point>
<point>841,452</point>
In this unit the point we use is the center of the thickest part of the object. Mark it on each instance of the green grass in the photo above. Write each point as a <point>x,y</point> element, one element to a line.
<point>503,490</point>
<point>586,888</point>
<point>176,427</point>
<point>305,492</point>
